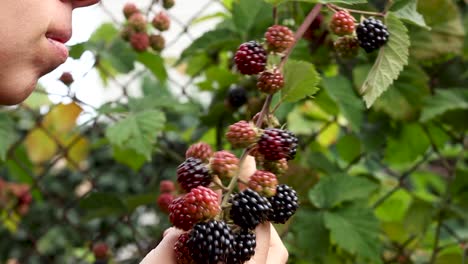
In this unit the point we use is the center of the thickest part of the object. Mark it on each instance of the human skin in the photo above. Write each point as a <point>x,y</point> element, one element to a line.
<point>33,33</point>
<point>270,249</point>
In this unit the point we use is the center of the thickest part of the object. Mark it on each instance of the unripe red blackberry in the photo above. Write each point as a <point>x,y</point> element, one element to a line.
<point>101,250</point>
<point>284,204</point>
<point>157,42</point>
<point>346,47</point>
<point>250,58</point>
<point>279,38</point>
<point>138,22</point>
<point>372,34</point>
<point>161,21</point>
<point>130,9</point>
<point>66,78</point>
<point>139,42</point>
<point>167,4</point>
<point>127,32</point>
<point>236,97</point>
<point>164,200</point>
<point>248,209</point>
<point>263,182</point>
<point>166,186</point>
<point>277,167</point>
<point>210,242</point>
<point>242,134</point>
<point>243,247</point>
<point>276,144</point>
<point>182,251</point>
<point>200,150</point>
<point>342,23</point>
<point>192,173</point>
<point>224,164</point>
<point>270,81</point>
<point>198,205</point>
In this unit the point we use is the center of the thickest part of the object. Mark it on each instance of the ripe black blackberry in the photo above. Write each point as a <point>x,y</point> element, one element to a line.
<point>284,204</point>
<point>243,247</point>
<point>250,58</point>
<point>372,34</point>
<point>210,242</point>
<point>249,209</point>
<point>192,173</point>
<point>276,144</point>
<point>236,97</point>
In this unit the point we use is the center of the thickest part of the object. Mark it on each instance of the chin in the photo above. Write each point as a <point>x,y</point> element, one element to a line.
<point>9,96</point>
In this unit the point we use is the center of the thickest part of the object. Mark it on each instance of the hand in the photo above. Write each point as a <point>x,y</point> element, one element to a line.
<point>270,249</point>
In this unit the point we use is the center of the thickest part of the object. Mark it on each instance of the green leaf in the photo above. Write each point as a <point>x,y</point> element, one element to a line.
<point>307,238</point>
<point>447,31</point>
<point>341,91</point>
<point>390,61</point>
<point>77,50</point>
<point>348,2</point>
<point>404,99</point>
<point>355,229</point>
<point>154,63</point>
<point>137,131</point>
<point>129,157</point>
<point>444,101</point>
<point>337,188</point>
<point>301,80</point>
<point>100,204</point>
<point>246,12</point>
<point>320,162</point>
<point>212,40</point>
<point>410,14</point>
<point>349,147</point>
<point>410,143</point>
<point>106,32</point>
<point>7,134</point>
<point>135,201</point>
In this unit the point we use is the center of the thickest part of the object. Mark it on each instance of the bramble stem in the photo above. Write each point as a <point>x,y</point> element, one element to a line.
<point>300,32</point>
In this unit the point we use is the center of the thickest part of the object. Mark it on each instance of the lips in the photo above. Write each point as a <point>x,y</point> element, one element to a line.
<point>57,42</point>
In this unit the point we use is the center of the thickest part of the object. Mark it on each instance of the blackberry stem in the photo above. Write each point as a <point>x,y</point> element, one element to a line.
<point>335,7</point>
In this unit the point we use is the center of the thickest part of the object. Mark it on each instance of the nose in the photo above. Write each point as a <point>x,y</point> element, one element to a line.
<point>82,3</point>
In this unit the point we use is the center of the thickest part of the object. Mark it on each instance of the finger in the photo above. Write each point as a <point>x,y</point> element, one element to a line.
<point>246,170</point>
<point>277,254</point>
<point>165,249</point>
<point>262,233</point>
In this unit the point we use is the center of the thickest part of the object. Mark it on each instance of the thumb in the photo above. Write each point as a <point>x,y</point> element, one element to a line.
<point>165,249</point>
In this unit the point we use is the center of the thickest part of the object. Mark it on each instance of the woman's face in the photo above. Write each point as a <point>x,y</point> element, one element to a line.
<point>32,37</point>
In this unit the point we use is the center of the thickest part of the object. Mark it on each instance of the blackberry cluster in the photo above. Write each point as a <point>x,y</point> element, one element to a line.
<point>372,34</point>
<point>210,242</point>
<point>284,204</point>
<point>342,23</point>
<point>276,144</point>
<point>192,173</point>
<point>137,32</point>
<point>249,209</point>
<point>225,233</point>
<point>250,58</point>
<point>346,46</point>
